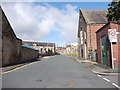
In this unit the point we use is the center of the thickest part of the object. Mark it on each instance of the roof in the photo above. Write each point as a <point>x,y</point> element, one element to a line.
<point>38,43</point>
<point>94,16</point>
<point>105,26</point>
<point>102,27</point>
<point>27,46</point>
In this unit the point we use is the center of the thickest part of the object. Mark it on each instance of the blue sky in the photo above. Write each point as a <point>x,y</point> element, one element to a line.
<point>83,5</point>
<point>55,36</point>
<point>54,22</point>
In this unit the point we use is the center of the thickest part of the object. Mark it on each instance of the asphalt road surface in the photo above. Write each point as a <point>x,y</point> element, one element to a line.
<point>55,72</point>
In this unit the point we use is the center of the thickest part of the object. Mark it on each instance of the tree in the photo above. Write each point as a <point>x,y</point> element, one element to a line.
<point>114,12</point>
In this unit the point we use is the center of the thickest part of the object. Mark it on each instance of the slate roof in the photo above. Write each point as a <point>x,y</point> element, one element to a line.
<point>94,16</point>
<point>38,43</point>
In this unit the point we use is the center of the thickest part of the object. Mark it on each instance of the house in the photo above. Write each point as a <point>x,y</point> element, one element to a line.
<point>68,49</point>
<point>61,50</point>
<point>107,50</point>
<point>72,48</point>
<point>89,22</point>
<point>42,47</point>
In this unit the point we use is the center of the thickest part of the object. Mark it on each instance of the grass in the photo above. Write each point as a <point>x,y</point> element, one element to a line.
<point>72,54</point>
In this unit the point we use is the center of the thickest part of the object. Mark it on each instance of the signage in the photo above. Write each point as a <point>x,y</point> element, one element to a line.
<point>112,35</point>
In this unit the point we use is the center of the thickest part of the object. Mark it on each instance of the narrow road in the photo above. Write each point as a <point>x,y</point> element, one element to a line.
<point>55,72</point>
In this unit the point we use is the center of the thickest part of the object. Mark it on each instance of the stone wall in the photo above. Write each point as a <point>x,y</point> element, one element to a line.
<point>11,49</point>
<point>28,54</point>
<point>82,36</point>
<point>14,53</point>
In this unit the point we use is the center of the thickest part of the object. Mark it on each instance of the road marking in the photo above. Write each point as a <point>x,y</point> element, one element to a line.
<point>48,57</point>
<point>17,68</point>
<point>106,79</point>
<point>115,85</point>
<point>98,75</point>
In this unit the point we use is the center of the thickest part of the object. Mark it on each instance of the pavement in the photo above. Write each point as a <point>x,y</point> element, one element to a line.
<point>97,68</point>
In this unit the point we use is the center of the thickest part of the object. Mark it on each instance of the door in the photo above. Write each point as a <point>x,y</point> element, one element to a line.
<point>104,50</point>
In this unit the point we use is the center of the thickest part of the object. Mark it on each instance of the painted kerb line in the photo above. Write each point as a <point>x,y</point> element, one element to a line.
<point>98,75</point>
<point>17,68</point>
<point>106,79</point>
<point>116,85</point>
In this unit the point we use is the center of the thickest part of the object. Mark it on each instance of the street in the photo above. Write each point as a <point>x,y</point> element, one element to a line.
<point>54,72</point>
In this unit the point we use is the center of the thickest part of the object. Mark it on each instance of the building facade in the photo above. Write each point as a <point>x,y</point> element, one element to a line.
<point>89,22</point>
<point>42,47</point>
<point>61,50</point>
<point>71,49</point>
<point>68,49</point>
<point>108,54</point>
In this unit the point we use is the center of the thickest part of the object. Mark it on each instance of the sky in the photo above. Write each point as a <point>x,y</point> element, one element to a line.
<point>53,22</point>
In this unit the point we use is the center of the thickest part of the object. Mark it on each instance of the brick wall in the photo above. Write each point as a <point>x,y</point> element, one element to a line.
<point>99,34</point>
<point>99,45</point>
<point>116,55</point>
<point>119,46</point>
<point>91,33</point>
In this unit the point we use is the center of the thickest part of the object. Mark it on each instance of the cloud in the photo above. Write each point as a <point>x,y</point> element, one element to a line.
<point>35,21</point>
<point>58,0</point>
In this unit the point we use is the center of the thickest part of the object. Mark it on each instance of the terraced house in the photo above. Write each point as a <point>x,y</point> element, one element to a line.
<point>42,47</point>
<point>89,22</point>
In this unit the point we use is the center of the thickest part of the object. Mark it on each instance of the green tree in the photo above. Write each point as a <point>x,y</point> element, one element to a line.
<point>114,12</point>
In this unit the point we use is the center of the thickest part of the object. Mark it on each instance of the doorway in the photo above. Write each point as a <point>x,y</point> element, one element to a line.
<point>104,50</point>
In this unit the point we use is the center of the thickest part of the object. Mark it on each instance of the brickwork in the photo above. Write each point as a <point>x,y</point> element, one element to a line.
<point>86,30</point>
<point>92,29</point>
<point>119,46</point>
<point>116,55</point>
<point>104,31</point>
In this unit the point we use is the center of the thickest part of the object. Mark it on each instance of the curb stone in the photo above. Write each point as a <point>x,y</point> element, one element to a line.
<point>16,66</point>
<point>96,72</point>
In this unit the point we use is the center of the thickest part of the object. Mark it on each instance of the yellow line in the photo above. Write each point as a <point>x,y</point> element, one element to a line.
<point>17,68</point>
